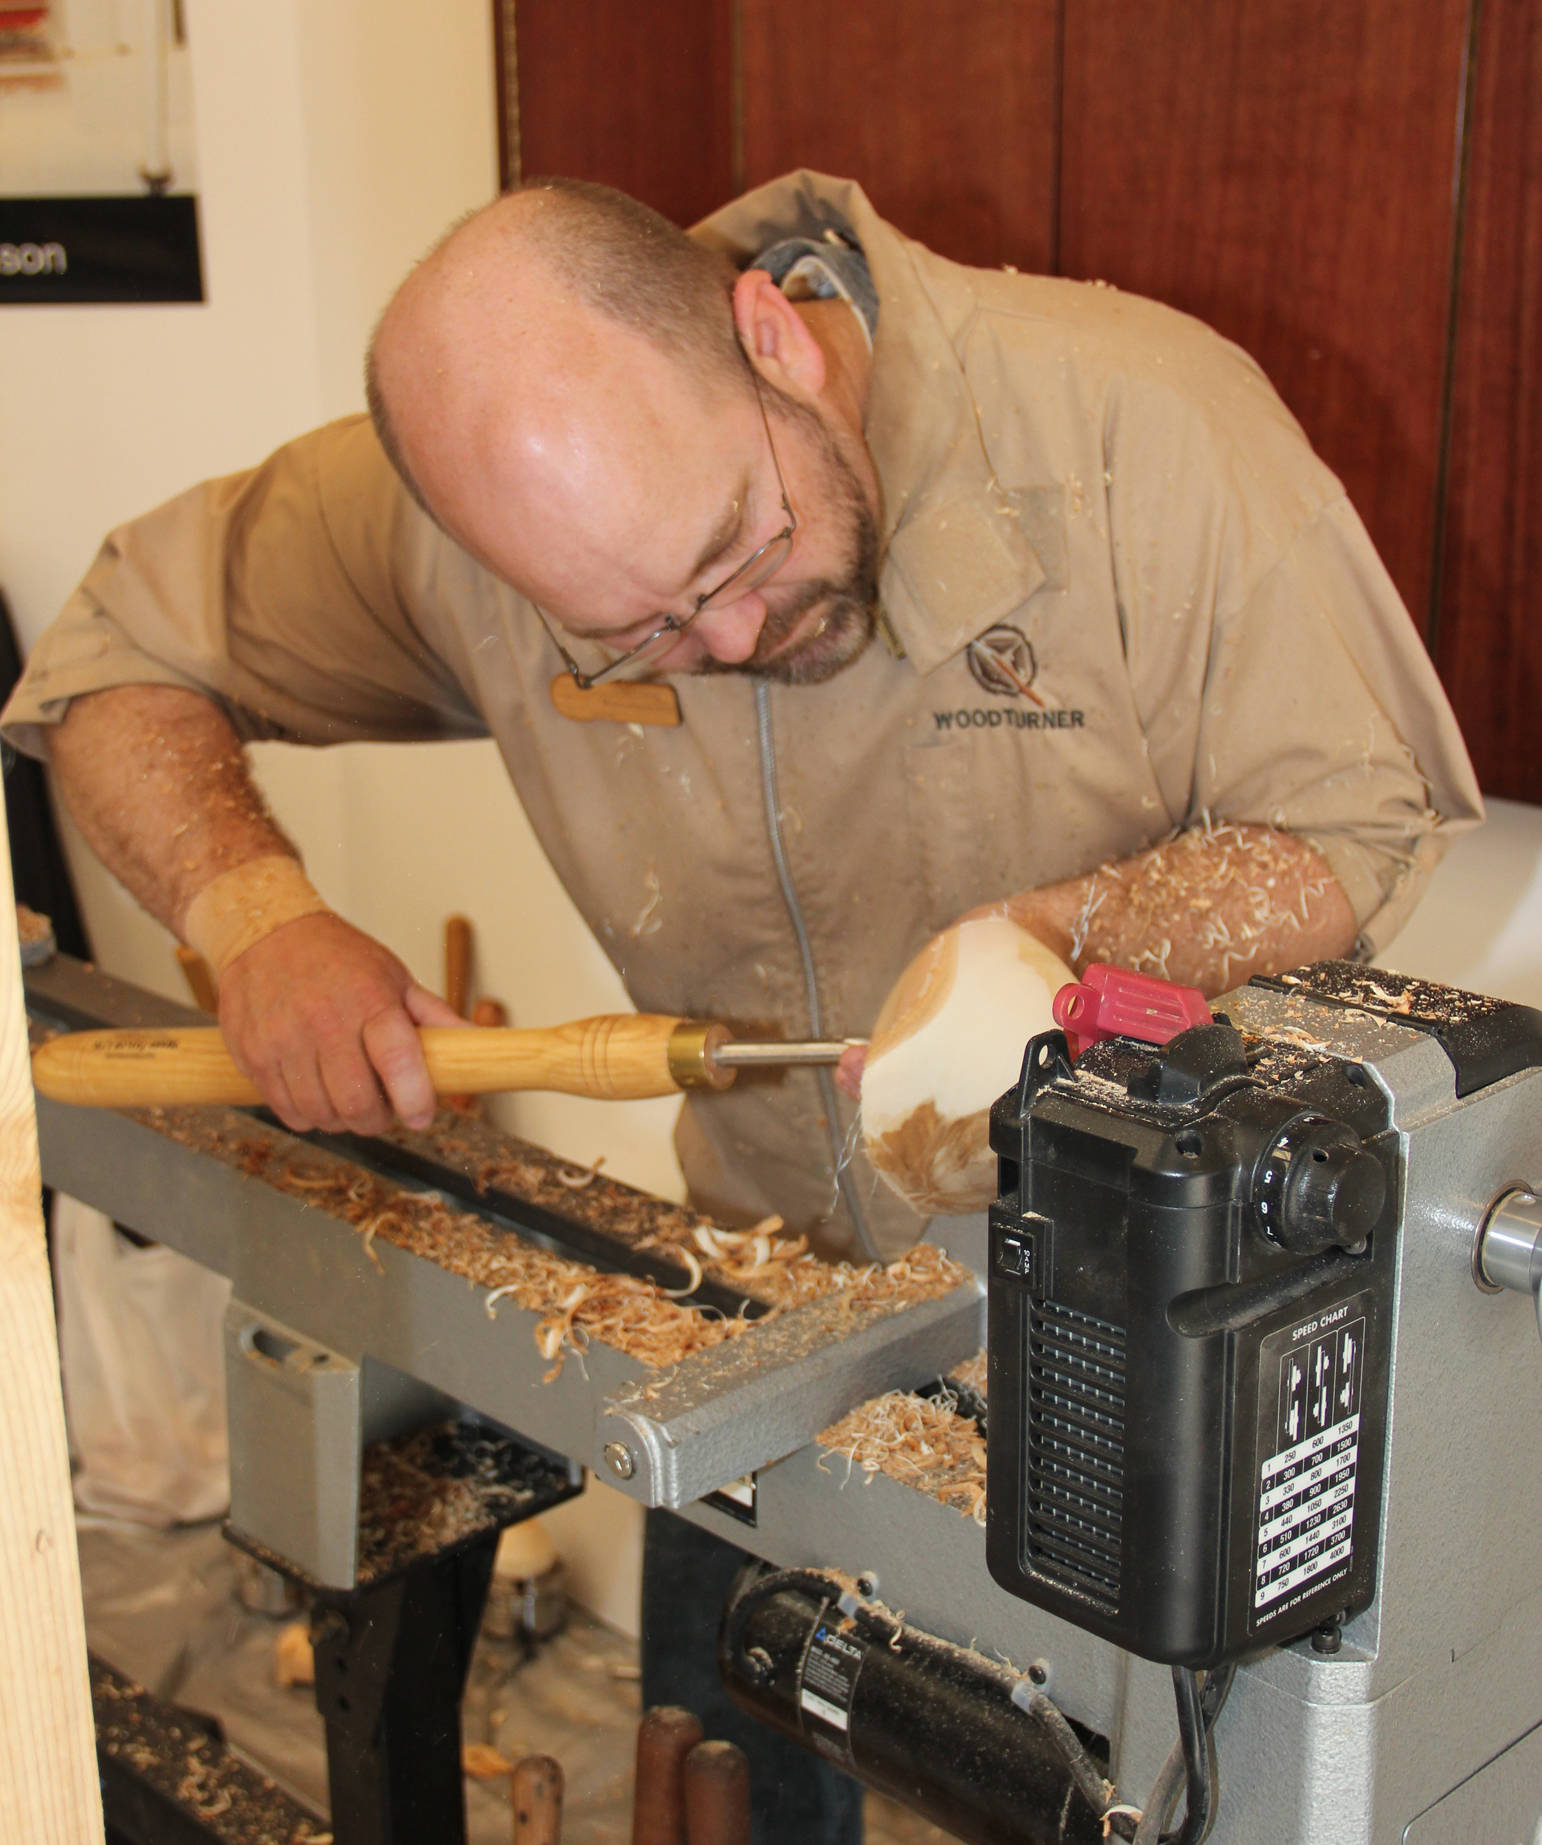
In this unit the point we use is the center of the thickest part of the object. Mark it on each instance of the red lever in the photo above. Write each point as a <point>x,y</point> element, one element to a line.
<point>1112,1002</point>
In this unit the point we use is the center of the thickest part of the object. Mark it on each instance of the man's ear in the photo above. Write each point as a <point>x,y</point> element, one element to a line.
<point>776,337</point>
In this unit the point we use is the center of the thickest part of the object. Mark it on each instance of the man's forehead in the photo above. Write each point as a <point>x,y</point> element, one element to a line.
<point>600,500</point>
<point>527,351</point>
<point>523,411</point>
<point>622,527</point>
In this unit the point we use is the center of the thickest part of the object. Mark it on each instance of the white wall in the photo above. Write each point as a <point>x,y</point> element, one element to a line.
<point>1480,924</point>
<point>335,140</point>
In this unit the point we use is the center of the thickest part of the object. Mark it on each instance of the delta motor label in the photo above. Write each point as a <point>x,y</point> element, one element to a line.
<point>827,1684</point>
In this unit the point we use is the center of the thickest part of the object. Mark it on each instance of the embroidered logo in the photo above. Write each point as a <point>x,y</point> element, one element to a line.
<point>1002,661</point>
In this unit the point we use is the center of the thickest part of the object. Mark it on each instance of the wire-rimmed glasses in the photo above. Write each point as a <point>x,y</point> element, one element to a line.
<point>759,567</point>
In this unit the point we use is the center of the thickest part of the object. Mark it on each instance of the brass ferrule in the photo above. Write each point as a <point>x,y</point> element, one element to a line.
<point>692,1056</point>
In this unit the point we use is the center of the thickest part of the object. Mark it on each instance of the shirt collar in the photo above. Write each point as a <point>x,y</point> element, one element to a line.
<point>832,268</point>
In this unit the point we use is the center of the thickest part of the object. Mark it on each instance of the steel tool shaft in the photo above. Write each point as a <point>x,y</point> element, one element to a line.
<point>735,1055</point>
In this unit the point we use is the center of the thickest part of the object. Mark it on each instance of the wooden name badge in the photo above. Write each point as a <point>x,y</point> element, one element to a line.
<point>636,701</point>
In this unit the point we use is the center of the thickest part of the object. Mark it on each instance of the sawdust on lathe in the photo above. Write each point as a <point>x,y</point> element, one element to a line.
<point>920,1441</point>
<point>773,1267</point>
<point>637,1317</point>
<point>973,1373</point>
<point>576,1303</point>
<point>765,1262</point>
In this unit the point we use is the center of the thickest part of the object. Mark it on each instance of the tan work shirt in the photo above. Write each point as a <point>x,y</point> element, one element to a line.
<point>1195,622</point>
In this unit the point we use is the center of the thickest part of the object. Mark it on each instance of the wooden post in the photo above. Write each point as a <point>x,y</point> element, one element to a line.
<point>537,1793</point>
<point>717,1795</point>
<point>665,1737</point>
<point>49,1793</point>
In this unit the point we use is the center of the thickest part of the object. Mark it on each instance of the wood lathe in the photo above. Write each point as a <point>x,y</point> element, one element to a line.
<point>1166,1253</point>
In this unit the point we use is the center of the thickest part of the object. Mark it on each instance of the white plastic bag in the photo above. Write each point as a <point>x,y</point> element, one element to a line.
<point>142,1355</point>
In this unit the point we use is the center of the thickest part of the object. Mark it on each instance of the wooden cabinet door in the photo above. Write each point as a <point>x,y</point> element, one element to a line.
<point>1285,170</point>
<point>945,114</point>
<point>1488,631</point>
<point>633,93</point>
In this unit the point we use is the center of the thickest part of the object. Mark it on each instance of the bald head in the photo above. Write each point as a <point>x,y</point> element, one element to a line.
<point>562,384</point>
<point>521,303</point>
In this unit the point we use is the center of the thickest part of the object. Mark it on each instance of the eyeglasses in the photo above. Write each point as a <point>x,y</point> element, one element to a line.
<point>759,567</point>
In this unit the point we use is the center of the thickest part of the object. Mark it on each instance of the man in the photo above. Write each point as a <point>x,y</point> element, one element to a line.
<point>967,589</point>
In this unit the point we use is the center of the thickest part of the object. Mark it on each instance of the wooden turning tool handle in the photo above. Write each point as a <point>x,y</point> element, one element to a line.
<point>717,1795</point>
<point>666,1735</point>
<point>617,1057</point>
<point>537,1794</point>
<point>457,963</point>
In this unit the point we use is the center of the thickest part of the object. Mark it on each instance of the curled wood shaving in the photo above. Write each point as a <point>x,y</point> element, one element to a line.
<point>649,922</point>
<point>693,1282</point>
<point>371,1229</point>
<point>483,1762</point>
<point>973,1372</point>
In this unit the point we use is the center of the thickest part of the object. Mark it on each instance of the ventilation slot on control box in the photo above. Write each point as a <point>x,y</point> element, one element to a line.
<point>1074,1482</point>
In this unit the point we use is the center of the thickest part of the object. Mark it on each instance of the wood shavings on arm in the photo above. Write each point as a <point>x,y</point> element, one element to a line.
<point>1209,907</point>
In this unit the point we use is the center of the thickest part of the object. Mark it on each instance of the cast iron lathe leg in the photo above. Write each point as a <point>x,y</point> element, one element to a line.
<point>391,1664</point>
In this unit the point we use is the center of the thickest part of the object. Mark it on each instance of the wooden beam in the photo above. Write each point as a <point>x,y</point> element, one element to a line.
<point>49,1794</point>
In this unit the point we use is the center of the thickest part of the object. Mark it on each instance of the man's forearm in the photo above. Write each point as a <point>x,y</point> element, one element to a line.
<point>157,782</point>
<point>1208,908</point>
<point>322,1017</point>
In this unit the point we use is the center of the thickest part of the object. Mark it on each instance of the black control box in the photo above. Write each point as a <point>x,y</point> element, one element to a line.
<point>1192,1267</point>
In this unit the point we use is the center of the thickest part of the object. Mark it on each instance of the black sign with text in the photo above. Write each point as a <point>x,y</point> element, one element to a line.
<point>104,249</point>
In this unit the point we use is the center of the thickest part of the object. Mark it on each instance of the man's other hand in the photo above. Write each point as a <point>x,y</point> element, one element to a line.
<point>848,1072</point>
<point>323,1019</point>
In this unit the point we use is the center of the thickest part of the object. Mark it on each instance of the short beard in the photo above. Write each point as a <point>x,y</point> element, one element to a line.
<point>841,636</point>
<point>849,615</point>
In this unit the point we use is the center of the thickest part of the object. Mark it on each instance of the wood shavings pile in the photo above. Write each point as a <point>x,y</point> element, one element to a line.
<point>622,1311</point>
<point>424,1492</point>
<point>919,1441</point>
<point>638,1318</point>
<point>576,1302</point>
<point>32,929</point>
<point>759,1261</point>
<point>177,1759</point>
<point>772,1266</point>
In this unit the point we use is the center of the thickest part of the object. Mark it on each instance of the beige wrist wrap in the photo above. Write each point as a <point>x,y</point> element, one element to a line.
<point>242,905</point>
